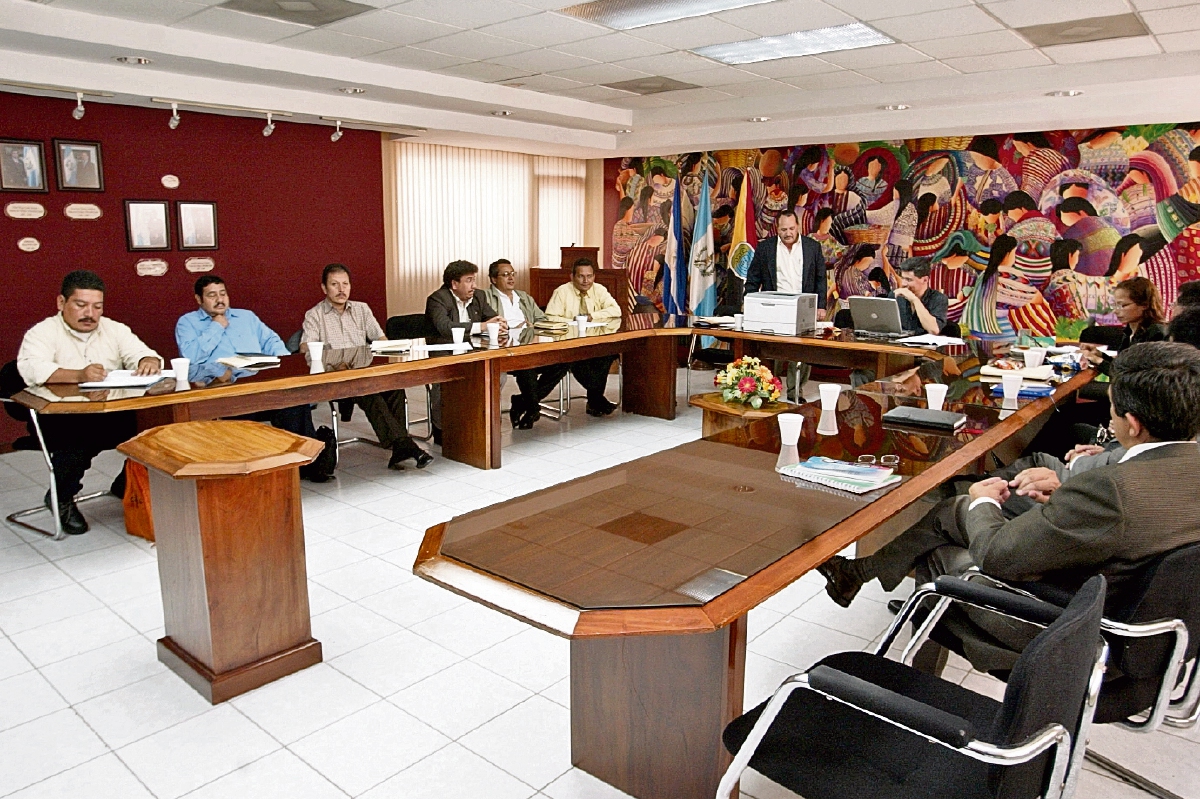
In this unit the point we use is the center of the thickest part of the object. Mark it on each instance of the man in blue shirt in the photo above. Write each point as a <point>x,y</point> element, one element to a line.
<point>216,331</point>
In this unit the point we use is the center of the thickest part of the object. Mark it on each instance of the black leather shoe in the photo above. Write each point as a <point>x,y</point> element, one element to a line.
<point>516,410</point>
<point>601,408</point>
<point>69,517</point>
<point>530,418</point>
<point>423,459</point>
<point>843,579</point>
<point>314,475</point>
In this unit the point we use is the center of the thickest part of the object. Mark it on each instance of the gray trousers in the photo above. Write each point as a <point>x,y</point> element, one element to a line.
<point>385,412</point>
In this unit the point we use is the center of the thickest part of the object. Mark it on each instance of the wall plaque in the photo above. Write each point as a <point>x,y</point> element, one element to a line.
<point>151,267</point>
<point>83,211</point>
<point>199,264</point>
<point>170,181</point>
<point>29,244</point>
<point>24,210</point>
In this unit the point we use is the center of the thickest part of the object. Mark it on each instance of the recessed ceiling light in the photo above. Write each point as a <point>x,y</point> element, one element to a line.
<point>625,130</point>
<point>132,59</point>
<point>759,119</point>
<point>502,113</point>
<point>812,42</point>
<point>896,107</point>
<point>1067,93</point>
<point>351,90</point>
<point>627,14</point>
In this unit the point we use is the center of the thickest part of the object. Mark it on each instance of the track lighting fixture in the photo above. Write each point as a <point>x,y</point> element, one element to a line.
<point>270,128</point>
<point>79,109</point>
<point>174,121</point>
<point>337,134</point>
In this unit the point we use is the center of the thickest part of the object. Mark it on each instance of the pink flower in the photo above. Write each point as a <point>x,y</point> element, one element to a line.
<point>775,381</point>
<point>747,385</point>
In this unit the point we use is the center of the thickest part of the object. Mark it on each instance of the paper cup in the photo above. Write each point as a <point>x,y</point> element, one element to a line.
<point>1034,357</point>
<point>790,425</point>
<point>935,395</point>
<point>493,331</point>
<point>829,396</point>
<point>457,333</point>
<point>316,363</point>
<point>739,320</point>
<point>181,366</point>
<point>827,424</point>
<point>1012,386</point>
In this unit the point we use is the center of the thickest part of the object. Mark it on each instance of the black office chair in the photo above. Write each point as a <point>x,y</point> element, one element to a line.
<point>11,382</point>
<point>857,724</point>
<point>410,326</point>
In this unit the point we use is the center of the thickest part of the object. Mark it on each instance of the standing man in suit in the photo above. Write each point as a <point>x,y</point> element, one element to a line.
<point>794,264</point>
<point>456,305</point>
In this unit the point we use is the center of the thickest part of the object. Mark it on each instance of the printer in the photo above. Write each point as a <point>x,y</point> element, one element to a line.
<point>780,313</point>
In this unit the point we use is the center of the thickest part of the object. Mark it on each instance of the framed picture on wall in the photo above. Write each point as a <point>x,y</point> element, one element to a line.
<point>147,225</point>
<point>79,165</point>
<point>22,166</point>
<point>197,225</point>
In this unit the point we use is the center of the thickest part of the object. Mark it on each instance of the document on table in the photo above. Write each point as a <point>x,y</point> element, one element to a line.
<point>125,378</point>
<point>392,346</point>
<point>249,361</point>
<point>930,340</point>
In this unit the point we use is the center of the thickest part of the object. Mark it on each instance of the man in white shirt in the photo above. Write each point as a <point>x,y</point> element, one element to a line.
<point>583,296</point>
<point>78,345</point>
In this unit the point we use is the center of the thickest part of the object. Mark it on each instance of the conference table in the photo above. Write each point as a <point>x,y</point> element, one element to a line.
<point>650,568</point>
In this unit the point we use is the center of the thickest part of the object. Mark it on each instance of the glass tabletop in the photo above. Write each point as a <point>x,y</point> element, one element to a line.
<point>681,526</point>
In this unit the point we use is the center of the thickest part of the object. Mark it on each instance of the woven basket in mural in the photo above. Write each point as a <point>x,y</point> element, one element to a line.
<point>938,143</point>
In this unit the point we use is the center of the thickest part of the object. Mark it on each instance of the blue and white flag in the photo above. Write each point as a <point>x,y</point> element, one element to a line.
<point>702,274</point>
<point>675,278</point>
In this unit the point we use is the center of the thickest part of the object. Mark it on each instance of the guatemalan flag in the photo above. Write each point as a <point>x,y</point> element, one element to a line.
<point>675,278</point>
<point>702,275</point>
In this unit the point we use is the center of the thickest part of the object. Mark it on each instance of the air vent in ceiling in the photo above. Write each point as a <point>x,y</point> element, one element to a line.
<point>1093,29</point>
<point>309,12</point>
<point>651,85</point>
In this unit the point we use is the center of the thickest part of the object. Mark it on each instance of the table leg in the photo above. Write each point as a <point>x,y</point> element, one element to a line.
<point>471,417</point>
<point>647,711</point>
<point>649,380</point>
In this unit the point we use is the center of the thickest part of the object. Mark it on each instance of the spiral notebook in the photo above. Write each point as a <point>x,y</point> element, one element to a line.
<point>856,478</point>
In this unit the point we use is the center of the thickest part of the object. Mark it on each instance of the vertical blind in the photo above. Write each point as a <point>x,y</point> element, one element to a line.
<point>478,205</point>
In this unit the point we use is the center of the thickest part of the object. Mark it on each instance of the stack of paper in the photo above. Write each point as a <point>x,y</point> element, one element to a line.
<point>930,340</point>
<point>250,361</point>
<point>857,478</point>
<point>550,326</point>
<point>992,374</point>
<point>125,378</point>
<point>384,346</point>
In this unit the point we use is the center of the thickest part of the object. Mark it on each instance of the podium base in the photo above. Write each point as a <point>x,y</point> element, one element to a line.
<point>217,688</point>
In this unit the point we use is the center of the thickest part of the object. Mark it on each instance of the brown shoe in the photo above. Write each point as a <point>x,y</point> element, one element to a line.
<point>843,579</point>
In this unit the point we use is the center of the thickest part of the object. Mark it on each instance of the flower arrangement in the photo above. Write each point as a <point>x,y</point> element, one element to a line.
<point>746,380</point>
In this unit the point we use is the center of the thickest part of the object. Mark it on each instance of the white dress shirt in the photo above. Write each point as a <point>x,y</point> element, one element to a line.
<point>789,267</point>
<point>465,317</point>
<point>510,309</point>
<point>51,345</point>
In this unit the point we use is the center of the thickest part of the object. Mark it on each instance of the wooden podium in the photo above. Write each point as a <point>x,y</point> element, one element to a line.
<point>226,506</point>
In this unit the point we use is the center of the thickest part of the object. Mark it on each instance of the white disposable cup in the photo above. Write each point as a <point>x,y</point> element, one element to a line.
<point>493,331</point>
<point>829,396</point>
<point>1034,357</point>
<point>738,321</point>
<point>180,367</point>
<point>1012,386</point>
<point>935,395</point>
<point>316,364</point>
<point>581,323</point>
<point>790,425</point>
<point>457,334</point>
<point>827,424</point>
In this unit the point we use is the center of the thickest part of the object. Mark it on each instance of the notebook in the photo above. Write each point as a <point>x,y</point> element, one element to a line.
<point>857,478</point>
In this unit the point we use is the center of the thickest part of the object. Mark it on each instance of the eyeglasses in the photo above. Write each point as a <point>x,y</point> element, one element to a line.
<point>505,274</point>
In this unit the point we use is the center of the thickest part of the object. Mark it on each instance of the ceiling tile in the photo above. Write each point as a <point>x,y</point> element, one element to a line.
<point>639,101</point>
<point>414,58</point>
<point>687,34</point>
<point>389,26</point>
<point>973,45</point>
<point>159,12</point>
<point>1179,42</point>
<point>702,95</point>
<point>594,93</point>
<point>464,13</point>
<point>1085,52</point>
<point>614,47</point>
<point>236,25</point>
<point>722,76</point>
<point>901,73</point>
<point>546,30</point>
<point>474,45</point>
<point>761,88</point>
<point>833,80</point>
<point>938,24</point>
<point>677,63</point>
<point>997,62</point>
<point>1021,13</point>
<point>1173,20</point>
<point>334,43</point>
<point>785,16</point>
<point>546,5</point>
<point>880,9</point>
<point>791,67</point>
<point>547,83</point>
<point>883,56</point>
<point>1147,5</point>
<point>600,73</point>
<point>482,70</point>
<point>538,61</point>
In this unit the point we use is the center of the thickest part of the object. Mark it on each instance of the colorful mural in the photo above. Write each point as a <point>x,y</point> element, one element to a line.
<point>1028,231</point>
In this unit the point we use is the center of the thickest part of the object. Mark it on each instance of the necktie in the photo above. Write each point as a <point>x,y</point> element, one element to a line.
<point>583,309</point>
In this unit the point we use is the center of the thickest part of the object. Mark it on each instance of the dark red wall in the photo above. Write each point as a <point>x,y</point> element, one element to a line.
<point>286,206</point>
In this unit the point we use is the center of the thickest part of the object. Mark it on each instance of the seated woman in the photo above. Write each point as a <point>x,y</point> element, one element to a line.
<point>1136,304</point>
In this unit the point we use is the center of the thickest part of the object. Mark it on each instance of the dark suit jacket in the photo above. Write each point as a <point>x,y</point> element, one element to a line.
<point>441,309</point>
<point>762,273</point>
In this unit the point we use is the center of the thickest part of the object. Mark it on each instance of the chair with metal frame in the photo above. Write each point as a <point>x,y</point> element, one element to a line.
<point>9,380</point>
<point>410,326</point>
<point>859,724</point>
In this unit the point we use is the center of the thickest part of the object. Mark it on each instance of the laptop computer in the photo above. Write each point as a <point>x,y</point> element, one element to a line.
<point>877,315</point>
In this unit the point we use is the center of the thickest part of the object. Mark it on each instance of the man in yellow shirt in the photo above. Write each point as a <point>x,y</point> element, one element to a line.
<point>583,296</point>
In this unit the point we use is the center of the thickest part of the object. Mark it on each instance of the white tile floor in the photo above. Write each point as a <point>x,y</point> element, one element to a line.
<point>422,694</point>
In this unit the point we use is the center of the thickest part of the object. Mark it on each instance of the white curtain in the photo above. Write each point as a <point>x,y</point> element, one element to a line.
<point>455,203</point>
